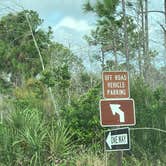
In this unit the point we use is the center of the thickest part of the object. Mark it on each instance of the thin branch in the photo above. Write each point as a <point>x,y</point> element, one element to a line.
<point>149,128</point>
<point>42,63</point>
<point>36,45</point>
<point>155,11</point>
<point>163,28</point>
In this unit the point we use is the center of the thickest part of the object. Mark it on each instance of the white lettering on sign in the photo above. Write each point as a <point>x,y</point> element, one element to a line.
<point>116,92</point>
<point>119,139</point>
<point>108,77</point>
<point>116,85</point>
<point>120,77</point>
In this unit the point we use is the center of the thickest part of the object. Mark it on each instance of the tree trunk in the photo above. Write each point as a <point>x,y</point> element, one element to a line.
<point>102,60</point>
<point>125,36</point>
<point>139,57</point>
<point>140,37</point>
<point>143,27</point>
<point>147,59</point>
<point>165,32</point>
<point>115,54</point>
<point>114,44</point>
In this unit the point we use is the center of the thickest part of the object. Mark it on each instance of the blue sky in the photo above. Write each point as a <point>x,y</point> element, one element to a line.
<point>70,23</point>
<point>66,17</point>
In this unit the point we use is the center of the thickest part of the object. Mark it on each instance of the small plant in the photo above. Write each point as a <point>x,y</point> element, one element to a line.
<point>58,142</point>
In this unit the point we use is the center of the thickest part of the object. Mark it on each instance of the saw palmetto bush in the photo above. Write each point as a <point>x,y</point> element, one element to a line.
<point>27,137</point>
<point>22,137</point>
<point>59,144</point>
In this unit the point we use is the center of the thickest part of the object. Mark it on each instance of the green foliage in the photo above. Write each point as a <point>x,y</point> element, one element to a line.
<point>61,56</point>
<point>86,131</point>
<point>30,134</point>
<point>30,95</point>
<point>87,7</point>
<point>89,158</point>
<point>5,86</point>
<point>149,113</point>
<point>47,78</point>
<point>109,34</point>
<point>105,8</point>
<point>59,141</point>
<point>59,78</point>
<point>62,76</point>
<point>29,138</point>
<point>18,53</point>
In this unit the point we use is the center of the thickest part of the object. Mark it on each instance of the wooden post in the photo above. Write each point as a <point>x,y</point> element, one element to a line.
<point>106,157</point>
<point>119,158</point>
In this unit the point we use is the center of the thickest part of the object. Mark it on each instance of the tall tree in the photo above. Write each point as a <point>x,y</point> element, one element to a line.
<point>141,45</point>
<point>165,30</point>
<point>111,25</point>
<point>105,11</point>
<point>146,60</point>
<point>126,43</point>
<point>18,53</point>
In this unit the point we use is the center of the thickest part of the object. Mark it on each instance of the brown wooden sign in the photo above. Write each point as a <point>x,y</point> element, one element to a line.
<point>115,84</point>
<point>117,112</point>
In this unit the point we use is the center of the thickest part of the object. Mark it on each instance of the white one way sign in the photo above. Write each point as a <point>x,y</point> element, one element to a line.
<point>117,139</point>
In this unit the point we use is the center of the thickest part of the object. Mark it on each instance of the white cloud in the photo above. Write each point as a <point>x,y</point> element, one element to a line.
<point>72,23</point>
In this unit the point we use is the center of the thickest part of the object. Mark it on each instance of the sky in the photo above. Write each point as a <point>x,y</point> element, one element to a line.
<point>155,31</point>
<point>70,23</point>
<point>66,18</point>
